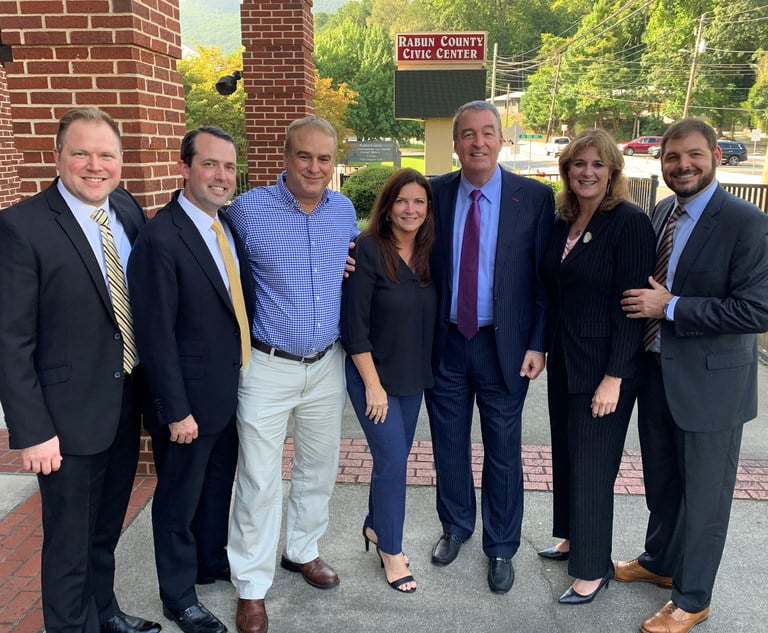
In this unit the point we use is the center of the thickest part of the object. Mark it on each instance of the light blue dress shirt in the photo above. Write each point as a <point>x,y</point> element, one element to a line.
<point>490,208</point>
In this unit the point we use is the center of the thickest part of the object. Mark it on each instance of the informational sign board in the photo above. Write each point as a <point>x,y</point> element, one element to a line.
<point>373,152</point>
<point>440,48</point>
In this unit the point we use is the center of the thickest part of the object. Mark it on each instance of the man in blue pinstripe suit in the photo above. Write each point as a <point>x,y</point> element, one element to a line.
<point>492,364</point>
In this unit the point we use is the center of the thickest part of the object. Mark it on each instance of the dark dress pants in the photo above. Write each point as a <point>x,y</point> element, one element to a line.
<point>469,370</point>
<point>689,482</point>
<point>83,507</point>
<point>390,443</point>
<point>190,511</point>
<point>586,456</point>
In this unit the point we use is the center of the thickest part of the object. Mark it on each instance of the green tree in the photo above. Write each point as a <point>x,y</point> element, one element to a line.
<point>205,106</point>
<point>332,104</point>
<point>348,51</point>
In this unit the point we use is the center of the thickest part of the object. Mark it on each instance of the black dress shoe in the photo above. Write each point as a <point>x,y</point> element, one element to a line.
<point>447,549</point>
<point>208,577</point>
<point>572,597</point>
<point>552,553</point>
<point>500,574</point>
<point>122,623</point>
<point>195,619</point>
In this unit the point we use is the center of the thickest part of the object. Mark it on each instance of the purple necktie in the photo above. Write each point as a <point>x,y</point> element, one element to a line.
<point>466,316</point>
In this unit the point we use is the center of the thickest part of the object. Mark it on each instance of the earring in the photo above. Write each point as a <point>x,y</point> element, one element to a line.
<point>387,218</point>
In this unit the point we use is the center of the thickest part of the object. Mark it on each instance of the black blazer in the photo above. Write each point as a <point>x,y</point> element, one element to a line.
<point>615,253</point>
<point>526,219</point>
<point>709,352</point>
<point>186,330</point>
<point>61,352</point>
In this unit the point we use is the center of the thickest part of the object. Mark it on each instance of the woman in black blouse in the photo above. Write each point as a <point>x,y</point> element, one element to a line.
<point>387,324</point>
<point>601,246</point>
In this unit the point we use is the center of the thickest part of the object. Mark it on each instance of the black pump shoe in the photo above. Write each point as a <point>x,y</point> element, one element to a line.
<point>572,597</point>
<point>552,553</point>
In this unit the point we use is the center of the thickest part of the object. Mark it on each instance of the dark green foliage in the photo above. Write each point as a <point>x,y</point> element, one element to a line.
<point>363,186</point>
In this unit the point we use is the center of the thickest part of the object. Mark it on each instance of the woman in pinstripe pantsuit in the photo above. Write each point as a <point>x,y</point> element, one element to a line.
<point>601,246</point>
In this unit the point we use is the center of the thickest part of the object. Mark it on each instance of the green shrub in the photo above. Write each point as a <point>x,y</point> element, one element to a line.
<point>556,185</point>
<point>363,186</point>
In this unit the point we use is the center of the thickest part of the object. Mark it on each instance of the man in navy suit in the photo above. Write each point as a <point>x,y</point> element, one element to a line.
<point>493,362</point>
<point>69,383</point>
<point>701,366</point>
<point>192,346</point>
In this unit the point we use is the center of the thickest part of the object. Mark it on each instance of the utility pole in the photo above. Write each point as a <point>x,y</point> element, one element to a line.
<point>493,72</point>
<point>695,60</point>
<point>554,96</point>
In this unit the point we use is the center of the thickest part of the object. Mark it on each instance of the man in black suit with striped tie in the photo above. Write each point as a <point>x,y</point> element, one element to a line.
<point>69,380</point>
<point>704,310</point>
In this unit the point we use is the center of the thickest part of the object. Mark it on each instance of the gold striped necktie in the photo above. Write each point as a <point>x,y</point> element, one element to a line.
<point>235,292</point>
<point>661,270</point>
<point>121,303</point>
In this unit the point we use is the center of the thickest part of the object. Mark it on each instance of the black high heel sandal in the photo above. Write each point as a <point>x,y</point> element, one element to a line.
<point>396,584</point>
<point>368,542</point>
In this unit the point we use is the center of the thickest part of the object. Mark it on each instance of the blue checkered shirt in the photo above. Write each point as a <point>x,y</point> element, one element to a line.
<point>297,260</point>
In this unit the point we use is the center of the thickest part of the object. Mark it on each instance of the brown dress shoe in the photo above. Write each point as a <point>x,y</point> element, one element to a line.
<point>251,616</point>
<point>672,619</point>
<point>633,571</point>
<point>316,572</point>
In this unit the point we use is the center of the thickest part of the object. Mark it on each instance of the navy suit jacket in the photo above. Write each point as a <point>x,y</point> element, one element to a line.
<point>61,351</point>
<point>526,218</point>
<point>186,329</point>
<point>709,351</point>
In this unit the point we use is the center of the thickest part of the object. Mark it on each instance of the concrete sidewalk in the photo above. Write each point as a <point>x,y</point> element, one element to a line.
<point>455,598</point>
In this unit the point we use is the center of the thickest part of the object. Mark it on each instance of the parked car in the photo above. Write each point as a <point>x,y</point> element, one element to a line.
<point>733,152</point>
<point>556,145</point>
<point>640,145</point>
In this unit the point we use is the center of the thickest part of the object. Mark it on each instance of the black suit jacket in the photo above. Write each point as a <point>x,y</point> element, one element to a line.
<point>709,351</point>
<point>616,253</point>
<point>526,218</point>
<point>186,329</point>
<point>61,352</point>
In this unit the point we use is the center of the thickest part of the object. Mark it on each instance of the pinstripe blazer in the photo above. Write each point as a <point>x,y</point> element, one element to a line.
<point>616,253</point>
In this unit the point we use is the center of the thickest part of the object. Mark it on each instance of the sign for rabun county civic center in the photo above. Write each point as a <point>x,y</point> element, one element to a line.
<point>440,47</point>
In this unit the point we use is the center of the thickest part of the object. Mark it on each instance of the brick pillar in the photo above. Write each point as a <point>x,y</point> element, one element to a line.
<point>118,55</point>
<point>278,78</point>
<point>10,157</point>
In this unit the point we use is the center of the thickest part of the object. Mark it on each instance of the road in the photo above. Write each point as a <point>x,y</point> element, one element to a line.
<point>529,157</point>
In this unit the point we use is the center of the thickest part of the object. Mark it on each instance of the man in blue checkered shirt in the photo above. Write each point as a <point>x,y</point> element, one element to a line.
<point>297,235</point>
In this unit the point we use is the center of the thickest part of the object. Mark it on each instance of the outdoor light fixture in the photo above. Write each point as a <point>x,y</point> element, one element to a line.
<point>228,83</point>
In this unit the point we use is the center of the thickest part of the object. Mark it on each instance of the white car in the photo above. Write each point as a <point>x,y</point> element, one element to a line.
<point>556,145</point>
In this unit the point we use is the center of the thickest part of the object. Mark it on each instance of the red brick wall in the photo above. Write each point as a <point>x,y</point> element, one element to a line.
<point>118,55</point>
<point>278,78</point>
<point>10,157</point>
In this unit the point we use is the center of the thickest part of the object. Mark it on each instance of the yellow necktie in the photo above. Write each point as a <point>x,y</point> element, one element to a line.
<point>235,292</point>
<point>121,304</point>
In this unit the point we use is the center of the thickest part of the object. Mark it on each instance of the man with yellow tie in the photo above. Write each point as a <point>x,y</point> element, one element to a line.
<point>192,302</point>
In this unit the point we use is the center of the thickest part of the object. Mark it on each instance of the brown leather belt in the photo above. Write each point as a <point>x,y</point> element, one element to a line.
<point>307,360</point>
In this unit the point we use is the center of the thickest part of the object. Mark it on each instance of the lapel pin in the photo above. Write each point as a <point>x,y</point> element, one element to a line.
<point>587,237</point>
